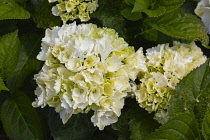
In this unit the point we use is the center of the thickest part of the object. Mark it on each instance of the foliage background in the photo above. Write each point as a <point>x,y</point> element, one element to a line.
<point>143,23</point>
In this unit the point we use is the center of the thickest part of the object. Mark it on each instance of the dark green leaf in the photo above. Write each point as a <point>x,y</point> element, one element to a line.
<point>126,13</point>
<point>9,51</point>
<point>152,34</point>
<point>107,134</point>
<point>163,39</point>
<point>2,85</point>
<point>192,93</point>
<point>42,14</point>
<point>181,127</point>
<point>7,26</point>
<point>11,10</point>
<point>122,124</point>
<point>138,120</point>
<point>21,2</point>
<point>78,127</point>
<point>189,6</point>
<point>4,96</point>
<point>27,62</point>
<point>141,123</point>
<point>129,2</point>
<point>206,125</point>
<point>20,119</point>
<point>148,32</point>
<point>182,26</point>
<point>124,133</point>
<point>43,115</point>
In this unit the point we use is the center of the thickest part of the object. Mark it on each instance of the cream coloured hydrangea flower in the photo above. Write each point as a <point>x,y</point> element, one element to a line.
<point>166,67</point>
<point>86,68</point>
<point>203,11</point>
<point>73,9</point>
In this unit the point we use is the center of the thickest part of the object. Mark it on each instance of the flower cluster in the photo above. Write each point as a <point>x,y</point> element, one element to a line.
<point>166,67</point>
<point>203,11</point>
<point>73,9</point>
<point>86,68</point>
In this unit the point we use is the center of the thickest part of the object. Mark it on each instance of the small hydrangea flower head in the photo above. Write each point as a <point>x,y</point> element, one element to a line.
<point>86,68</point>
<point>73,9</point>
<point>166,67</point>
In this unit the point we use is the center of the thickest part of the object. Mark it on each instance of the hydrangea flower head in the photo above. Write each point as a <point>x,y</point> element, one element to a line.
<point>166,67</point>
<point>86,68</point>
<point>73,9</point>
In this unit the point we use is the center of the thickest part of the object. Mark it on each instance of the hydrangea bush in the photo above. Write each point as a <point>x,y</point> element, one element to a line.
<point>64,79</point>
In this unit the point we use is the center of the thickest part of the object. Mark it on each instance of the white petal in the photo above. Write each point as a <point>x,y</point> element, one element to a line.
<point>55,11</point>
<point>65,114</point>
<point>44,53</point>
<point>105,47</point>
<point>206,20</point>
<point>50,1</point>
<point>113,63</point>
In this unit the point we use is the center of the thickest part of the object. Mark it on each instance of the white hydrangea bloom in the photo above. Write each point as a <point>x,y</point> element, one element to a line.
<point>86,68</point>
<point>73,9</point>
<point>166,67</point>
<point>102,118</point>
<point>203,11</point>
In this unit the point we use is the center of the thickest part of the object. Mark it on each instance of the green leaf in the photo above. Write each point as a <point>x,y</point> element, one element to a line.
<point>152,34</point>
<point>149,7</point>
<point>21,2</point>
<point>11,10</point>
<point>206,125</point>
<point>170,4</point>
<point>141,123</point>
<point>42,14</point>
<point>148,32</point>
<point>129,2</point>
<point>155,8</point>
<point>122,124</point>
<point>189,6</point>
<point>124,133</point>
<point>78,127</point>
<point>27,62</point>
<point>107,134</point>
<point>138,120</point>
<point>9,51</point>
<point>141,5</point>
<point>20,119</point>
<point>4,96</point>
<point>155,12</point>
<point>126,13</point>
<point>163,39</point>
<point>192,93</point>
<point>2,85</point>
<point>180,25</point>
<point>7,26</point>
<point>181,127</point>
<point>109,14</point>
